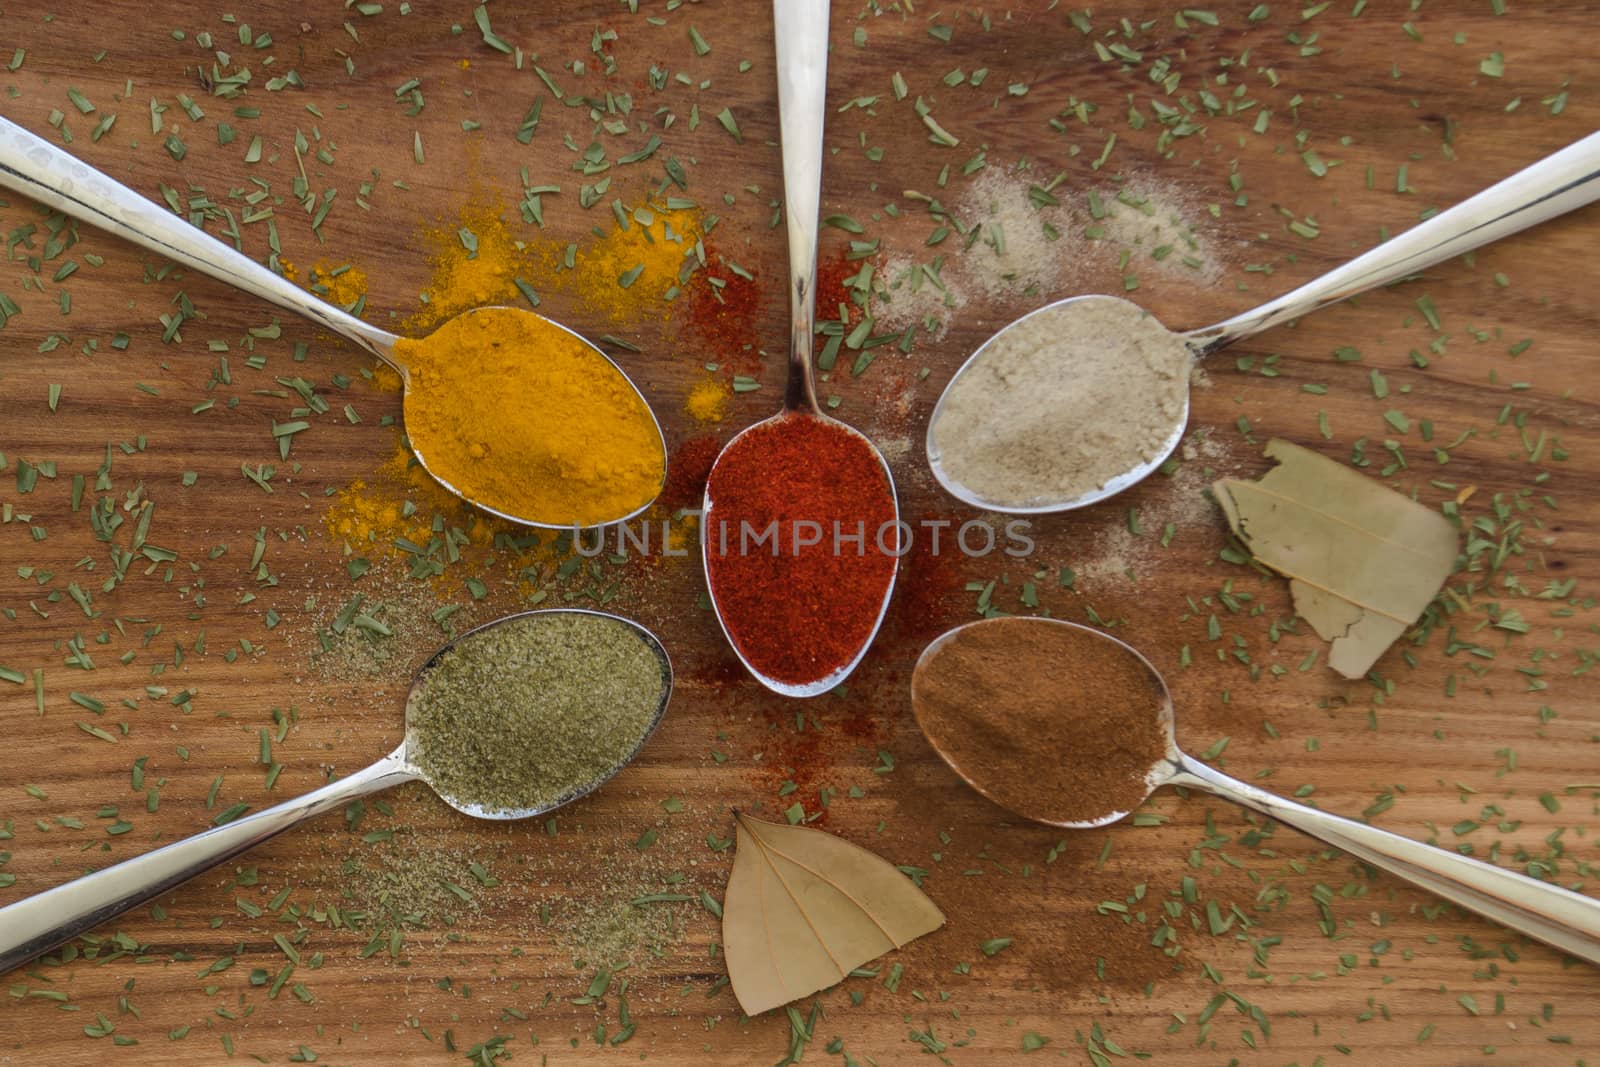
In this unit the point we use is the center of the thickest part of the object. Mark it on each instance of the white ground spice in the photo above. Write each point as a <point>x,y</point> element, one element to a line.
<point>1061,402</point>
<point>1151,223</point>
<point>916,294</point>
<point>1021,246</point>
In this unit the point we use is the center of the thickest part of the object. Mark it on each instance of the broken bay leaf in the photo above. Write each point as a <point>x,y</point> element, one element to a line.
<point>1363,561</point>
<point>804,908</point>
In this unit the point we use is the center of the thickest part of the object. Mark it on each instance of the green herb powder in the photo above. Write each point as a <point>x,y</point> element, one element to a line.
<point>523,715</point>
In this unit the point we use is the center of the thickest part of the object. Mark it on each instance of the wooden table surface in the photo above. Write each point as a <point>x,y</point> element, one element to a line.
<point>1479,736</point>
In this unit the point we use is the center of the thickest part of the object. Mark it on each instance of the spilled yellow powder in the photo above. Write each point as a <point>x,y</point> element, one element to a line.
<point>341,285</point>
<point>637,268</point>
<point>287,269</point>
<point>400,508</point>
<point>399,502</point>
<point>475,263</point>
<point>708,401</point>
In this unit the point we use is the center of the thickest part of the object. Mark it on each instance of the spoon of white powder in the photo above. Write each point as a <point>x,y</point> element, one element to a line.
<point>1081,399</point>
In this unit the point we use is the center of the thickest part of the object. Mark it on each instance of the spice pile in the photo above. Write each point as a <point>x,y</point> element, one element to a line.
<point>565,439</point>
<point>1061,402</point>
<point>521,715</point>
<point>1043,717</point>
<point>801,546</point>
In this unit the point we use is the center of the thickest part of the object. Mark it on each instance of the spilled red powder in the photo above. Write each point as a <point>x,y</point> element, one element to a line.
<point>720,673</point>
<point>727,316</point>
<point>809,757</point>
<point>790,755</point>
<point>833,272</point>
<point>927,589</point>
<point>687,470</point>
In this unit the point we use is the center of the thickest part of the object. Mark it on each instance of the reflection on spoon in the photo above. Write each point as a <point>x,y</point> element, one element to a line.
<point>537,472</point>
<point>525,740</point>
<point>1046,415</point>
<point>1030,731</point>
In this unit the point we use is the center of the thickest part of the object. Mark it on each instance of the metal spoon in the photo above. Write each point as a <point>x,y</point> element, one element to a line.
<point>801,32</point>
<point>41,922</point>
<point>1541,910</point>
<point>1555,185</point>
<point>39,170</point>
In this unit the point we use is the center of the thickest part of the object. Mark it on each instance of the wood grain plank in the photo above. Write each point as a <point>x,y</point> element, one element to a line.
<point>1355,962</point>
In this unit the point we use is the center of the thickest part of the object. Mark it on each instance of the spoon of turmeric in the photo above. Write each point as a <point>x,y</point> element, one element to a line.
<point>472,387</point>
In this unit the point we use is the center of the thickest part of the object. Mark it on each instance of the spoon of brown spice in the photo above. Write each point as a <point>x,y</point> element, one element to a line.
<point>1064,725</point>
<point>511,720</point>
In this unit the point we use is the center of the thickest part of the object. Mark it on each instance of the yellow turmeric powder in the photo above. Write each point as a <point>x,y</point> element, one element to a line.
<point>525,419</point>
<point>707,402</point>
<point>475,264</point>
<point>401,501</point>
<point>342,286</point>
<point>636,268</point>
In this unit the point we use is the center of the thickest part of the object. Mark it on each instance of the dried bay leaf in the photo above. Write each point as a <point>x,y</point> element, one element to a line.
<point>804,908</point>
<point>1363,561</point>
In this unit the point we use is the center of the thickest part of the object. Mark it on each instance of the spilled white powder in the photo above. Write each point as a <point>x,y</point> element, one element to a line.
<point>1061,402</point>
<point>917,294</point>
<point>1148,225</point>
<point>1020,246</point>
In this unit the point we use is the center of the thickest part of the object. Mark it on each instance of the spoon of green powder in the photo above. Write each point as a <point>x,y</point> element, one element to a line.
<point>1085,397</point>
<point>511,720</point>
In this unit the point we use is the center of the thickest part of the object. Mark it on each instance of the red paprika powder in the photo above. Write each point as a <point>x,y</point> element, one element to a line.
<point>725,313</point>
<point>801,545</point>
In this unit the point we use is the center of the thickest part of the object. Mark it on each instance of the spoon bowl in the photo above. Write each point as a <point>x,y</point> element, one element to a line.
<point>40,922</point>
<point>1560,183</point>
<point>979,777</point>
<point>821,685</point>
<point>420,447</point>
<point>1124,480</point>
<point>479,811</point>
<point>38,169</point>
<point>1542,910</point>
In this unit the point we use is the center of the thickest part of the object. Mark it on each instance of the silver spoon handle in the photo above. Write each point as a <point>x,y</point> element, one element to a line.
<point>38,169</point>
<point>1555,185</point>
<point>39,923</point>
<point>1570,921</point>
<point>800,28</point>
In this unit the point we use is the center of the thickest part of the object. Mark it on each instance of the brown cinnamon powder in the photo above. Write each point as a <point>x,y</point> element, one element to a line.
<point>1042,717</point>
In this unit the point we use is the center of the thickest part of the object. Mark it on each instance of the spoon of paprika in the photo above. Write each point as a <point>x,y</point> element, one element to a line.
<point>801,531</point>
<point>534,472</point>
<point>1068,726</point>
